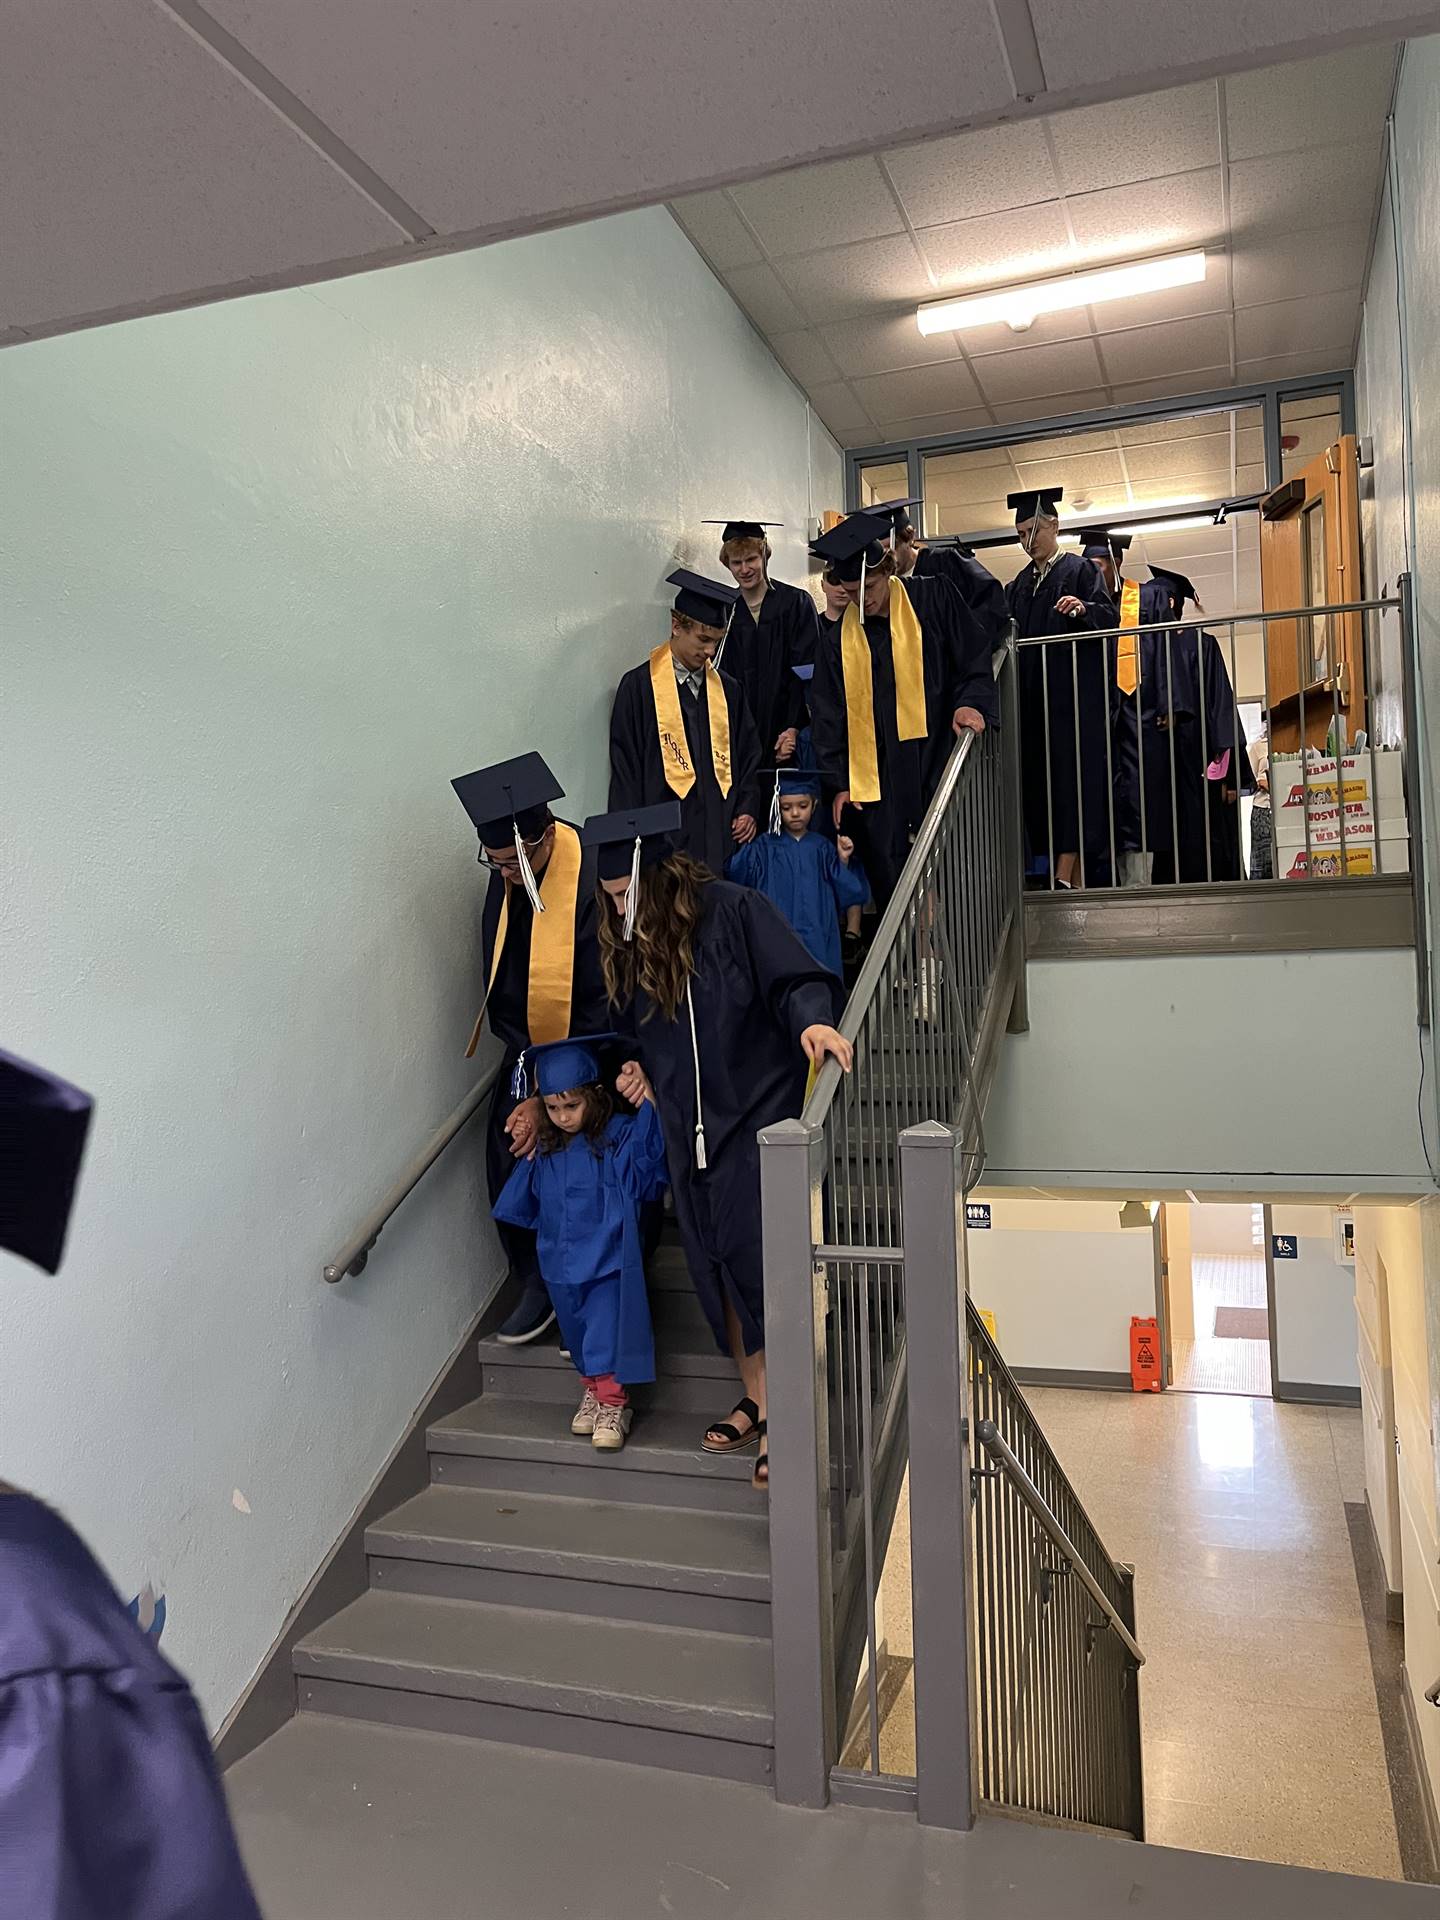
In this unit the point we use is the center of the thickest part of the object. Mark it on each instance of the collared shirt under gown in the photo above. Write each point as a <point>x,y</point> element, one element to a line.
<point>956,661</point>
<point>762,655</point>
<point>110,1804</point>
<point>808,881</point>
<point>507,1016</point>
<point>755,990</point>
<point>584,1207</point>
<point>637,772</point>
<point>1068,685</point>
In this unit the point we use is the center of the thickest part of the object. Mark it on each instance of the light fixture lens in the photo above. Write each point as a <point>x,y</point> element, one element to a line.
<point>1018,306</point>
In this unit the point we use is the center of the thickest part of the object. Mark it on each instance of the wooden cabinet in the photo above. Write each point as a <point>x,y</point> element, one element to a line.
<point>1310,556</point>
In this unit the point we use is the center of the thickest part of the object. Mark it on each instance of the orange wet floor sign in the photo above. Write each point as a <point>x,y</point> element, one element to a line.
<point>1145,1355</point>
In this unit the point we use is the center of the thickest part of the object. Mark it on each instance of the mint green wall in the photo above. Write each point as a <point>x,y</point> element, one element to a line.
<point>275,570</point>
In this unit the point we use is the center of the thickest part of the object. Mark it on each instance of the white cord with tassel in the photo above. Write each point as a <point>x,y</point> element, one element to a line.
<point>775,819</point>
<point>700,1162</point>
<point>526,873</point>
<point>632,895</point>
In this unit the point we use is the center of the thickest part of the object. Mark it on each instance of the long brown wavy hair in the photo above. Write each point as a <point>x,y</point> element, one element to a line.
<point>599,1111</point>
<point>661,958</point>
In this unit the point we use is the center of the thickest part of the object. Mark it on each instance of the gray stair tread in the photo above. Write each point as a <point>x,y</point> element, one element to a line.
<point>663,1440</point>
<point>685,1352</point>
<point>715,1684</point>
<point>608,1540</point>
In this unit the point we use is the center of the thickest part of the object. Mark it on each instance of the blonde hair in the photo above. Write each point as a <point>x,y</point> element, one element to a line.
<point>661,958</point>
<point>743,549</point>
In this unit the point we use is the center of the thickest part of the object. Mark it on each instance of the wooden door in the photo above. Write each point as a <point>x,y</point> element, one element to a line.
<point>1310,556</point>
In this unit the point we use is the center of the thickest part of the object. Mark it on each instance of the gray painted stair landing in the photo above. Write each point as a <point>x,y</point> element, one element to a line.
<point>541,1593</point>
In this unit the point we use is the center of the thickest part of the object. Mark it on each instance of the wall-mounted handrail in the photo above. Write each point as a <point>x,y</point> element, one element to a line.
<point>1391,605</point>
<point>356,1251</point>
<point>994,1442</point>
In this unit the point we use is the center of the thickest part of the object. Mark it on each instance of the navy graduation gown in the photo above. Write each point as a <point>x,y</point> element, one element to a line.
<point>763,654</point>
<point>637,773</point>
<point>755,990</point>
<point>1141,738</point>
<point>508,1015</point>
<point>976,585</point>
<point>808,881</point>
<point>956,656</point>
<point>1210,730</point>
<point>585,1209</point>
<point>1054,692</point>
<point>110,1804</point>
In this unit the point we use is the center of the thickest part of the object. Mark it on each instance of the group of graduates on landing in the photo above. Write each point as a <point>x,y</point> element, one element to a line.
<point>661,981</point>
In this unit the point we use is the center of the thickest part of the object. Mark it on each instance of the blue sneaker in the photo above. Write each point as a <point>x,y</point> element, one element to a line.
<point>532,1316</point>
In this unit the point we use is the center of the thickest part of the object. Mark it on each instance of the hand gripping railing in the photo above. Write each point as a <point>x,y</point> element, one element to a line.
<point>944,973</point>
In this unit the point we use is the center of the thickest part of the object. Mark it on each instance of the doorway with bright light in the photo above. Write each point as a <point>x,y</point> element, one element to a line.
<point>1214,1267</point>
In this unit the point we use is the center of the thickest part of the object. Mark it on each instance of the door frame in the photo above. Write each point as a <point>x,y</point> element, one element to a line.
<point>1270,1320</point>
<point>1162,1293</point>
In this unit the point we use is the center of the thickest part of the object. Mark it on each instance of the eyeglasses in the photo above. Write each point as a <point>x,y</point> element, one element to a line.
<point>509,862</point>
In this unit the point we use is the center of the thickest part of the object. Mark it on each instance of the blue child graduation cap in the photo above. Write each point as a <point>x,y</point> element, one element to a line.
<point>789,780</point>
<point>560,1065</point>
<point>627,841</point>
<point>43,1123</point>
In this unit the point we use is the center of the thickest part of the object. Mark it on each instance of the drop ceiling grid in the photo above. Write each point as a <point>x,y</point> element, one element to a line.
<point>1061,377</point>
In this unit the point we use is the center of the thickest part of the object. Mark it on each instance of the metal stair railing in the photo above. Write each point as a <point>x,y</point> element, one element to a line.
<point>944,975</point>
<point>1026,1654</point>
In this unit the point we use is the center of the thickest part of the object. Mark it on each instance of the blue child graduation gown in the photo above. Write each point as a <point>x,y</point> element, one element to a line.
<point>110,1804</point>
<point>808,881</point>
<point>755,990</point>
<point>584,1208</point>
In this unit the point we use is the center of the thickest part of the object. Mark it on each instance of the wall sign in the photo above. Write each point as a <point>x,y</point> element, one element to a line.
<point>977,1213</point>
<point>1284,1246</point>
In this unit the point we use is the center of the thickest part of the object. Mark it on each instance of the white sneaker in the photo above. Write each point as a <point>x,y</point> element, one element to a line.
<point>611,1426</point>
<point>585,1413</point>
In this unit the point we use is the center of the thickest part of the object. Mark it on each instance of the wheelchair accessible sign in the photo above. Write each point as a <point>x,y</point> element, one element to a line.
<point>1284,1246</point>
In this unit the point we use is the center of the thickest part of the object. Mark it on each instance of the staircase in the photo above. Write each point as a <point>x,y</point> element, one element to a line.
<point>545,1594</point>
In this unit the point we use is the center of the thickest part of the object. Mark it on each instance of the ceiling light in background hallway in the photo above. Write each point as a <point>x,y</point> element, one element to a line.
<point>1019,306</point>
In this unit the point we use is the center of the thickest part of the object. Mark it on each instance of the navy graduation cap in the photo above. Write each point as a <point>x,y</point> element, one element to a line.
<point>704,600</point>
<point>43,1124</point>
<point>1033,501</point>
<point>853,545</point>
<point>1099,543</point>
<point>742,529</point>
<point>629,841</point>
<point>511,797</point>
<point>1183,588</point>
<point>897,512</point>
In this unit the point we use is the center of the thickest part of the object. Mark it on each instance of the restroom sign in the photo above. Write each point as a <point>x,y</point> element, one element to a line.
<point>1284,1246</point>
<point>977,1213</point>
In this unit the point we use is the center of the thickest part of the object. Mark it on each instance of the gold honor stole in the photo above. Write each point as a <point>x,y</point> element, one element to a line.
<point>552,945</point>
<point>1127,659</point>
<point>909,660</point>
<point>670,725</point>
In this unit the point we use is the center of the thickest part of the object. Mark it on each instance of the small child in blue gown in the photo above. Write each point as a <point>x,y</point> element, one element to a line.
<point>581,1192</point>
<point>809,878</point>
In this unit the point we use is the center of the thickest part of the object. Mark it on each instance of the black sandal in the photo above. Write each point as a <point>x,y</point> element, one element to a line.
<point>760,1478</point>
<point>733,1440</point>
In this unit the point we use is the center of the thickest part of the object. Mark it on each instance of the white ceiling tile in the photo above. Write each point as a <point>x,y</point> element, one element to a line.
<point>804,358</point>
<point>1065,446</point>
<point>1287,265</point>
<point>137,167</point>
<point>1158,216</point>
<point>839,409</point>
<point>1081,474</point>
<point>1045,331</point>
<point>1210,295</point>
<point>1208,457</point>
<point>824,206</point>
<point>1147,433</point>
<point>887,341</point>
<point>867,436</point>
<point>1286,366</point>
<point>1294,192</point>
<point>1175,347</point>
<point>1139,139</point>
<point>918,390</point>
<point>1021,412</point>
<point>1171,386</point>
<point>1249,476</point>
<point>764,299</point>
<point>961,422</point>
<point>999,247</point>
<point>845,281</point>
<point>1035,372</point>
<point>988,170</point>
<point>1310,103</point>
<point>717,230</point>
<point>1324,323</point>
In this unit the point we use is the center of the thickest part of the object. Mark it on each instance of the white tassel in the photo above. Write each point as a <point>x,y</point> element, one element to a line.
<point>632,896</point>
<point>527,875</point>
<point>519,1086</point>
<point>720,650</point>
<point>700,1161</point>
<point>775,820</point>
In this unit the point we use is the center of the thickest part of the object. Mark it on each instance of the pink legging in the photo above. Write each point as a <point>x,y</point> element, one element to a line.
<point>607,1390</point>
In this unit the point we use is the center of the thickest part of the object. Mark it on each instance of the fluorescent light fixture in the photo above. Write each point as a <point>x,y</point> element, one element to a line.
<point>1164,526</point>
<point>1019,306</point>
